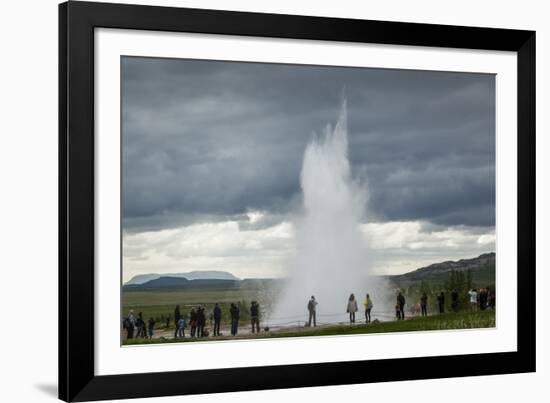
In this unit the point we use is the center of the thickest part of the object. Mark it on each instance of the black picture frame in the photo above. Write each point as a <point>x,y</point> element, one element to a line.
<point>77,21</point>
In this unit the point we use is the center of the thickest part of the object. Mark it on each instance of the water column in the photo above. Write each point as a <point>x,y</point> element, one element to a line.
<point>331,260</point>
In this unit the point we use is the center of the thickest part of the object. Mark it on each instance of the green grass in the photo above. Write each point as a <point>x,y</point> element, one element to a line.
<point>157,303</point>
<point>172,297</point>
<point>448,321</point>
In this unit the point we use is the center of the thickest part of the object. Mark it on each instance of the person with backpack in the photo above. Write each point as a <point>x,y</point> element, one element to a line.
<point>368,307</point>
<point>234,311</point>
<point>129,324</point>
<point>217,313</point>
<point>352,308</point>
<point>312,309</point>
<point>151,327</point>
<point>424,304</point>
<point>180,327</point>
<point>255,316</point>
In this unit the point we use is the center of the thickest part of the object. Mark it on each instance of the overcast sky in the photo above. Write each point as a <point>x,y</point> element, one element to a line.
<point>212,153</point>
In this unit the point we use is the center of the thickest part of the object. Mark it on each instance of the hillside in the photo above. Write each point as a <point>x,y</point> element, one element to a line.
<point>481,267</point>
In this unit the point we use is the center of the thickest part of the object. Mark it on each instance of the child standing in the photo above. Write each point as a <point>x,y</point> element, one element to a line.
<point>181,327</point>
<point>398,312</point>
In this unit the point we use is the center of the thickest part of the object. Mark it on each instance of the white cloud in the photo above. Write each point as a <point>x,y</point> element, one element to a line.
<point>210,246</point>
<point>394,247</point>
<point>399,247</point>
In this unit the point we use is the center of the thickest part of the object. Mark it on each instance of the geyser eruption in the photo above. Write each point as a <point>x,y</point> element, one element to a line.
<point>331,258</point>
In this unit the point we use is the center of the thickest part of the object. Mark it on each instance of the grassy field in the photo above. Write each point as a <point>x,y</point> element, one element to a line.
<point>449,321</point>
<point>161,303</point>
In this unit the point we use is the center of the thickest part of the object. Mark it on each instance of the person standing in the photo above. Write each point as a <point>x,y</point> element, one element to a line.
<point>180,327</point>
<point>473,299</point>
<point>491,298</point>
<point>140,324</point>
<point>234,311</point>
<point>255,316</point>
<point>129,324</point>
<point>312,309</point>
<point>217,319</point>
<point>201,321</point>
<point>352,308</point>
<point>424,304</point>
<point>177,316</point>
<point>193,321</point>
<point>483,294</point>
<point>151,326</point>
<point>454,300</point>
<point>441,302</point>
<point>401,305</point>
<point>368,307</point>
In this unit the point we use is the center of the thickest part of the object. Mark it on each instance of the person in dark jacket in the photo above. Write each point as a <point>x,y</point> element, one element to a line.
<point>483,298</point>
<point>141,326</point>
<point>177,316</point>
<point>368,307</point>
<point>234,311</point>
<point>312,309</point>
<point>454,300</point>
<point>424,304</point>
<point>217,313</point>
<point>401,304</point>
<point>193,322</point>
<point>441,302</point>
<point>151,327</point>
<point>491,298</point>
<point>255,316</point>
<point>201,321</point>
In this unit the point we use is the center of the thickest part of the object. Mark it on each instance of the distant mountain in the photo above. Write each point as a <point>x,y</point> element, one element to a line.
<point>182,282</point>
<point>169,281</point>
<point>164,282</point>
<point>481,267</point>
<point>192,275</point>
<point>142,278</point>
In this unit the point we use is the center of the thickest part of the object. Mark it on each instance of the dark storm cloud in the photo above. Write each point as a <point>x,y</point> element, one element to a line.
<point>212,140</point>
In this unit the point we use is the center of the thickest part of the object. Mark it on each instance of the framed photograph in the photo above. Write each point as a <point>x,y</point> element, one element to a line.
<point>257,201</point>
